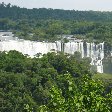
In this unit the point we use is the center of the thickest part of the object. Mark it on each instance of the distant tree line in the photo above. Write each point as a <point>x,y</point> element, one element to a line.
<point>47,24</point>
<point>14,12</point>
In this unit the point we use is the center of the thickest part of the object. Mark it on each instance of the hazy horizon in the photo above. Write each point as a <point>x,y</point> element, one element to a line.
<point>96,5</point>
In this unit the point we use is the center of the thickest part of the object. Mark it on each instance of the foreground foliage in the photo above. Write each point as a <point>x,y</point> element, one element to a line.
<point>85,95</point>
<point>26,84</point>
<point>26,81</point>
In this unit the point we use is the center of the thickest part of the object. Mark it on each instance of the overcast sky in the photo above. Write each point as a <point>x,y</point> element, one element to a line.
<point>99,5</point>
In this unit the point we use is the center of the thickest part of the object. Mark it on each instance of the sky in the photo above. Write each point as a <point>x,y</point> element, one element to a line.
<point>97,5</point>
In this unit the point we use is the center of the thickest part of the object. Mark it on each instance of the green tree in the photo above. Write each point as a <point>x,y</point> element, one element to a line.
<point>87,95</point>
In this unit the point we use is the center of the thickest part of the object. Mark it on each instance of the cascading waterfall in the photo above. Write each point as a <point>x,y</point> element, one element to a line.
<point>95,52</point>
<point>92,50</point>
<point>29,47</point>
<point>72,47</point>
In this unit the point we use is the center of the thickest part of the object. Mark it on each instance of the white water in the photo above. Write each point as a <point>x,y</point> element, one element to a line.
<point>29,47</point>
<point>96,52</point>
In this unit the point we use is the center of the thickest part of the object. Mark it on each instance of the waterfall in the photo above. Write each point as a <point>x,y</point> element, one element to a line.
<point>29,47</point>
<point>74,46</point>
<point>92,50</point>
<point>95,52</point>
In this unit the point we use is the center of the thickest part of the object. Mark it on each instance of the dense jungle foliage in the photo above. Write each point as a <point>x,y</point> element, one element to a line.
<point>52,83</point>
<point>47,24</point>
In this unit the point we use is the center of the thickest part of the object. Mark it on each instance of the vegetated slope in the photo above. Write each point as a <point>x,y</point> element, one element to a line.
<point>15,12</point>
<point>59,81</point>
<point>47,24</point>
<point>106,78</point>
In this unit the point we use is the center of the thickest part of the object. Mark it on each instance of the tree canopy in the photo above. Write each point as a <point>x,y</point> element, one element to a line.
<point>59,81</point>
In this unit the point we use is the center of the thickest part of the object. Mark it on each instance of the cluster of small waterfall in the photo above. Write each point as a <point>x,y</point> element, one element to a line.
<point>92,50</point>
